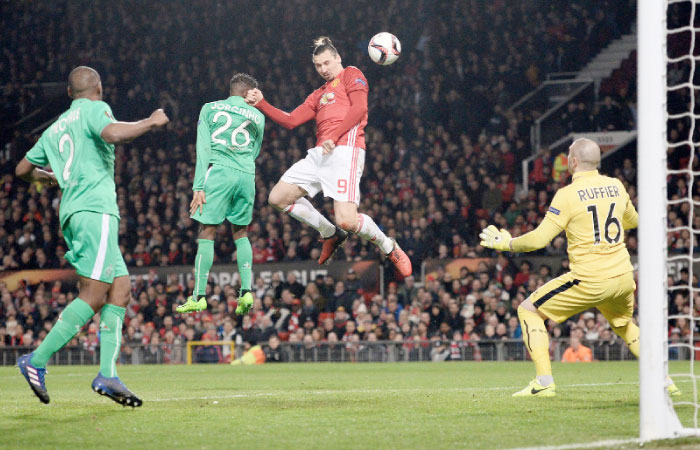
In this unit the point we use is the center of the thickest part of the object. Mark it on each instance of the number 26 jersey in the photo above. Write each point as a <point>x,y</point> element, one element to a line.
<point>229,133</point>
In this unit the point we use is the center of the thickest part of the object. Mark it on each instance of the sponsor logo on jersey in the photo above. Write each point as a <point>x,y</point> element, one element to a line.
<point>361,81</point>
<point>554,210</point>
<point>327,98</point>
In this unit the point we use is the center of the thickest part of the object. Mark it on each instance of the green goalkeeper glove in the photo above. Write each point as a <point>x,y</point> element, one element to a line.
<point>497,240</point>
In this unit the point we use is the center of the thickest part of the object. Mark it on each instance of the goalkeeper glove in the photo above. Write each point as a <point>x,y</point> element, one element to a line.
<point>497,240</point>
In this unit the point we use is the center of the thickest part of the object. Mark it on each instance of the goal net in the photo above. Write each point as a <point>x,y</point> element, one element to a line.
<point>669,230</point>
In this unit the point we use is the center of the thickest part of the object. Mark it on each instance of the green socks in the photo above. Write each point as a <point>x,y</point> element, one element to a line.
<point>111,321</point>
<point>202,264</point>
<point>71,321</point>
<point>68,324</point>
<point>245,262</point>
<point>205,258</point>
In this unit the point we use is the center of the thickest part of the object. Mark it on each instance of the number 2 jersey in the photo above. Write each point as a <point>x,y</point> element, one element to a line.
<point>82,162</point>
<point>229,133</point>
<point>594,210</point>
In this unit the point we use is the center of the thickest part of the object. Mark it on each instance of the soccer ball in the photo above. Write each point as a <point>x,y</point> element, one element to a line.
<point>384,48</point>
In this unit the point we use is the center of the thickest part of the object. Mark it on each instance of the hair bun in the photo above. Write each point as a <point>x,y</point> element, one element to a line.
<point>323,43</point>
<point>323,40</point>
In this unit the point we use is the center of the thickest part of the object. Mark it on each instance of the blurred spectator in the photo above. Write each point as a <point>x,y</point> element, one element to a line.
<point>577,352</point>
<point>273,353</point>
<point>296,288</point>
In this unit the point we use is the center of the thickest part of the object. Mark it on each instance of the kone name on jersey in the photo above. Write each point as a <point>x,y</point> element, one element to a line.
<point>247,113</point>
<point>598,192</point>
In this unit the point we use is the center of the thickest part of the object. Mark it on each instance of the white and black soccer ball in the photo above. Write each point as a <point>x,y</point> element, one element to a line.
<point>384,48</point>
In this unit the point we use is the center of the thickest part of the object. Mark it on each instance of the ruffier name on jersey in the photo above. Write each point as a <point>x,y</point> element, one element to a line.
<point>598,192</point>
<point>61,124</point>
<point>247,113</point>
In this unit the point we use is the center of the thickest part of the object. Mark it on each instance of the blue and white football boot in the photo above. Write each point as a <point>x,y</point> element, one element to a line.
<point>115,389</point>
<point>34,376</point>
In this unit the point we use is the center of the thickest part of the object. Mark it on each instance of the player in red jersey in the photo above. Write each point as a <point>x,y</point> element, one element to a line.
<point>335,165</point>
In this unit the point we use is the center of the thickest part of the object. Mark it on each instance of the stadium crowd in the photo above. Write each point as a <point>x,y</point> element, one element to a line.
<point>436,164</point>
<point>443,158</point>
<point>445,312</point>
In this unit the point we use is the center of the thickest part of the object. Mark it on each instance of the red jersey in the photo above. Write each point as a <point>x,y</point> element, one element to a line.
<point>331,104</point>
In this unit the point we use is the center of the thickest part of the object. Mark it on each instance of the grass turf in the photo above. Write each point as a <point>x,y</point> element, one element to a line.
<point>398,405</point>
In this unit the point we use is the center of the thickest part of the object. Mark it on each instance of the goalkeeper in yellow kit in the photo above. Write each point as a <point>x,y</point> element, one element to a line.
<point>594,210</point>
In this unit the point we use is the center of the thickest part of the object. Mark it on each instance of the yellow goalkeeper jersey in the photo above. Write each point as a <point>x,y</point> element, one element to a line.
<point>594,210</point>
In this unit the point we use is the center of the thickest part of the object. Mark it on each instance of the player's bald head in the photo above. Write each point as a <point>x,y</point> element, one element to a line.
<point>587,152</point>
<point>83,82</point>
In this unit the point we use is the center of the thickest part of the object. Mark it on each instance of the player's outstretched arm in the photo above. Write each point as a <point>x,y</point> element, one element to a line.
<point>301,114</point>
<point>536,239</point>
<point>29,172</point>
<point>121,132</point>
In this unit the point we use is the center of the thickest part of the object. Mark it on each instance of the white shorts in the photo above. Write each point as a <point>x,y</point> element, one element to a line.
<point>337,174</point>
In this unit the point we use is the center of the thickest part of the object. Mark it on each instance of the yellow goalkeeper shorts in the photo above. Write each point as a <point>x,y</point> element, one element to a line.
<point>566,296</point>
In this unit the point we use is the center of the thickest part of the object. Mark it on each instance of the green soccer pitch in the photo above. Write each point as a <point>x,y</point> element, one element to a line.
<point>395,405</point>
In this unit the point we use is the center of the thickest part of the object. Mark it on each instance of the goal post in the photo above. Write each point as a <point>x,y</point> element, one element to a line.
<point>658,419</point>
